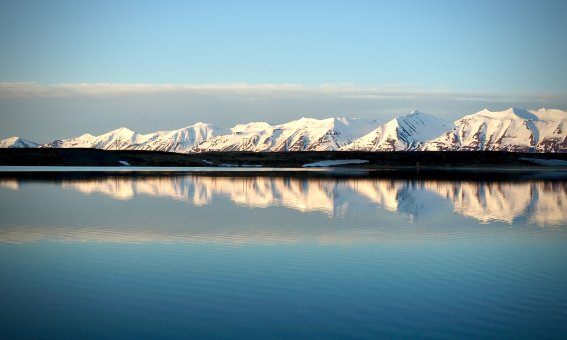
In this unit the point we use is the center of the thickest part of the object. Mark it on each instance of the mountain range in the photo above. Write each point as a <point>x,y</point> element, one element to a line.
<point>517,130</point>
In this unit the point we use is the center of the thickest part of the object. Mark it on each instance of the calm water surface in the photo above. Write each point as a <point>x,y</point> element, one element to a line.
<point>249,256</point>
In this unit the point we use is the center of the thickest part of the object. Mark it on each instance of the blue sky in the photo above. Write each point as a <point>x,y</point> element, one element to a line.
<point>223,62</point>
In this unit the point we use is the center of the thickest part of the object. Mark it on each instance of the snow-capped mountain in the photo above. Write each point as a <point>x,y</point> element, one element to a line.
<point>182,140</point>
<point>514,129</point>
<point>305,134</point>
<point>113,140</point>
<point>17,142</point>
<point>537,202</point>
<point>519,130</point>
<point>406,132</point>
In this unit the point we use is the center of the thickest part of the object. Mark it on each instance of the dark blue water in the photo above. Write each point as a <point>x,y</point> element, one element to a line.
<point>256,257</point>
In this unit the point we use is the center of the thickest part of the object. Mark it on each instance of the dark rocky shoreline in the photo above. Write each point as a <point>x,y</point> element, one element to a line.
<point>397,159</point>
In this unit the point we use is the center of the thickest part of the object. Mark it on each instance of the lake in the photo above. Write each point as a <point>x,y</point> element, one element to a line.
<point>284,254</point>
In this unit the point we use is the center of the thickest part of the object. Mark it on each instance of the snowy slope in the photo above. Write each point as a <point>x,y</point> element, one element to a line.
<point>305,134</point>
<point>552,130</point>
<point>322,135</point>
<point>254,136</point>
<point>182,140</point>
<point>406,132</point>
<point>17,142</point>
<point>84,141</point>
<point>114,140</point>
<point>514,129</point>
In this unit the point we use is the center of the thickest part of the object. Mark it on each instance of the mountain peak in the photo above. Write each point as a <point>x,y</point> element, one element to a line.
<point>420,116</point>
<point>199,124</point>
<point>407,132</point>
<point>522,113</point>
<point>251,127</point>
<point>513,129</point>
<point>122,130</point>
<point>17,142</point>
<point>512,113</point>
<point>12,139</point>
<point>202,126</point>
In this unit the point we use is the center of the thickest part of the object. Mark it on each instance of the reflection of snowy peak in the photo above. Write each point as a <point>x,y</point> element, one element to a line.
<point>305,134</point>
<point>510,130</point>
<point>538,202</point>
<point>406,132</point>
<point>16,142</point>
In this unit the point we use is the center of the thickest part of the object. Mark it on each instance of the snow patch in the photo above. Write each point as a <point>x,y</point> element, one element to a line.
<point>334,162</point>
<point>547,162</point>
<point>231,165</point>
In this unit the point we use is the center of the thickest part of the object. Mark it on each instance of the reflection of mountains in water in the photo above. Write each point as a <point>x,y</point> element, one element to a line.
<point>537,202</point>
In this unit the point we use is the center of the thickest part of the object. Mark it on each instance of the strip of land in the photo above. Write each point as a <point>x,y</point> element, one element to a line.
<point>397,159</point>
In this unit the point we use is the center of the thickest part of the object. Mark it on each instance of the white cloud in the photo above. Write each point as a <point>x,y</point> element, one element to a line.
<point>346,91</point>
<point>82,89</point>
<point>43,112</point>
<point>353,91</point>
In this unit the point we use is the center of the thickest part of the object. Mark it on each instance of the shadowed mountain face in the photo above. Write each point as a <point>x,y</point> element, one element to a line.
<point>17,142</point>
<point>514,130</point>
<point>403,133</point>
<point>538,202</point>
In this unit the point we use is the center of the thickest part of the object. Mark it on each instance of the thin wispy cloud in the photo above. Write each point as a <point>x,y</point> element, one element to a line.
<point>350,91</point>
<point>43,112</point>
<point>35,89</point>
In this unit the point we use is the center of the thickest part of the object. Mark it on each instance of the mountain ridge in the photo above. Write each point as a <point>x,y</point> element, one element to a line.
<point>513,129</point>
<point>17,142</point>
<point>404,133</point>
